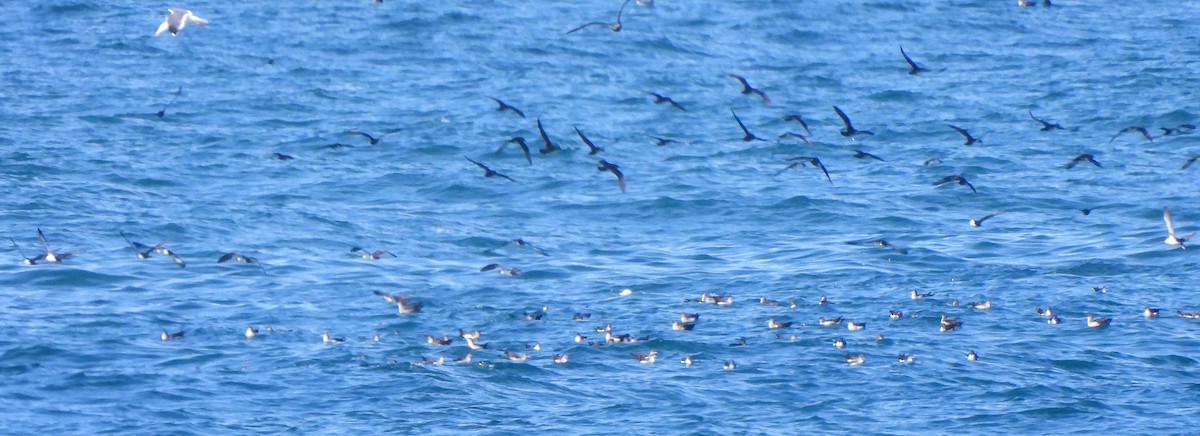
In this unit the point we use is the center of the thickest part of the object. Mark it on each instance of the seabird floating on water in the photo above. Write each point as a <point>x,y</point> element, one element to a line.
<point>251,332</point>
<point>855,360</point>
<point>972,356</point>
<point>170,336</point>
<point>1094,322</point>
<point>1150,312</point>
<point>371,255</point>
<point>560,358</point>
<point>773,324</point>
<point>177,19</point>
<point>648,357</point>
<point>330,339</point>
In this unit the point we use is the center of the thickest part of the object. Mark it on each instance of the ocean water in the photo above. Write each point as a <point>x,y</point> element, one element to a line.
<point>85,157</point>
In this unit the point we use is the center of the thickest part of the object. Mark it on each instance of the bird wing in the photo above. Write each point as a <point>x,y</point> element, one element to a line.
<point>594,23</point>
<point>225,258</point>
<point>908,59</point>
<point>1167,219</point>
<point>960,131</point>
<point>545,139</point>
<point>193,18</point>
<point>163,27</point>
<point>484,167</point>
<point>739,121</point>
<point>818,163</point>
<point>43,238</point>
<point>845,119</point>
<point>585,139</point>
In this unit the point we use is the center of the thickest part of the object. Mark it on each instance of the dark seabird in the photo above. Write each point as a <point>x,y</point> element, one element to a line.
<point>177,19</point>
<point>337,146</point>
<point>1189,162</point>
<point>1046,126</point>
<point>689,317</point>
<point>913,68</point>
<point>1183,128</point>
<point>802,160</point>
<point>593,149</point>
<point>764,301</point>
<point>1082,158</point>
<point>797,118</point>
<point>969,139</point>
<point>956,179</point>
<point>52,255</point>
<point>1171,238</point>
<point>488,172</point>
<point>746,135</point>
<point>26,259</point>
<point>660,99</point>
<point>549,146</point>
<point>663,141</point>
<point>886,244</point>
<point>679,325</point>
<point>522,243</point>
<point>371,255</point>
<point>373,140</point>
<point>979,222</point>
<point>507,107</point>
<point>163,112</point>
<point>282,156</point>
<point>1088,211</point>
<point>795,135</point>
<point>170,336</point>
<point>849,131</point>
<point>511,272</point>
<point>864,155</point>
<point>236,257</point>
<point>605,166</point>
<point>747,89</point>
<point>401,302</point>
<point>521,143</point>
<point>1142,130</point>
<point>439,361</point>
<point>616,27</point>
<point>142,251</point>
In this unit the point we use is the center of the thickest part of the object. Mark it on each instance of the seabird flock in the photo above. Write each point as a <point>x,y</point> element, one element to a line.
<point>177,19</point>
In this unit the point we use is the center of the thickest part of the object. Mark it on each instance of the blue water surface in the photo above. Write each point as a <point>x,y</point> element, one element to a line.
<point>84,156</point>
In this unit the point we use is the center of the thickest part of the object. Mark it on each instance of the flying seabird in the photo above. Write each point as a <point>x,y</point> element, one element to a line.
<point>1171,238</point>
<point>593,149</point>
<point>236,257</point>
<point>1142,130</point>
<point>605,166</point>
<point>747,89</point>
<point>1189,162</point>
<point>802,160</point>
<point>1183,128</point>
<point>616,27</point>
<point>746,135</point>
<point>163,112</point>
<point>371,139</point>
<point>511,272</point>
<point>281,156</point>
<point>864,155</point>
<point>969,139</point>
<point>913,68</point>
<point>520,142</point>
<point>142,251</point>
<point>849,131</point>
<point>1082,158</point>
<point>25,259</point>
<point>661,99</point>
<point>549,146</point>
<point>169,336</point>
<point>176,20</point>
<point>797,118</point>
<point>956,179</point>
<point>507,107</point>
<point>371,255</point>
<point>979,222</point>
<point>488,172</point>
<point>51,255</point>
<point>1046,126</point>
<point>663,141</point>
